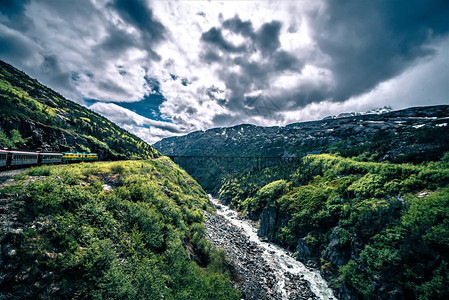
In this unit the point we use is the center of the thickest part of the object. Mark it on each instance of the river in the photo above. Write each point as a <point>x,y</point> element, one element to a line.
<point>277,274</point>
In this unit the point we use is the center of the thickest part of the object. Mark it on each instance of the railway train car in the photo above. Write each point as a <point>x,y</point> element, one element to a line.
<point>22,158</point>
<point>50,158</point>
<point>12,158</point>
<point>3,158</point>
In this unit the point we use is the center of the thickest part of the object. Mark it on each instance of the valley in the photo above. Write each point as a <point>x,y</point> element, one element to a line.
<point>348,207</point>
<point>364,200</point>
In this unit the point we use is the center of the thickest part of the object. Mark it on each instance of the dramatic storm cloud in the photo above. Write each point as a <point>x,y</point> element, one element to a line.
<point>162,68</point>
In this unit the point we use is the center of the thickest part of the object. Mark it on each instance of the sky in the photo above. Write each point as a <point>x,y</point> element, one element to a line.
<point>162,68</point>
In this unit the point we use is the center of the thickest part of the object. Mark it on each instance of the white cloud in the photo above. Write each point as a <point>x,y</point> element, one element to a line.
<point>147,129</point>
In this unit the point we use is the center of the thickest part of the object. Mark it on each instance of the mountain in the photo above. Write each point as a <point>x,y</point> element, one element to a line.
<point>414,135</point>
<point>34,117</point>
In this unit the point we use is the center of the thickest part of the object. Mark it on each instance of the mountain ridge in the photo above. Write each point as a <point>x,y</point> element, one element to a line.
<point>45,120</point>
<point>409,135</point>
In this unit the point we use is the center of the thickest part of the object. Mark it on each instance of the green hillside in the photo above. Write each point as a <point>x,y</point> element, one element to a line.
<point>376,230</point>
<point>116,230</point>
<point>35,117</point>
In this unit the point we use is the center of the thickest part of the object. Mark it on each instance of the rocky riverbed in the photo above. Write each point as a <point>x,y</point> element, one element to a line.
<point>255,277</point>
<point>261,270</point>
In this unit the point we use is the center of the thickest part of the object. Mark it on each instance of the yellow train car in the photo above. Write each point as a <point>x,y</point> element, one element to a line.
<point>79,156</point>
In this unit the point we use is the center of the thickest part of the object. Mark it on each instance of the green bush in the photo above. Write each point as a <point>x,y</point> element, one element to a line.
<point>134,241</point>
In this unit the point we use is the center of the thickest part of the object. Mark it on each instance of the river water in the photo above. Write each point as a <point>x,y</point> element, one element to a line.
<point>277,256</point>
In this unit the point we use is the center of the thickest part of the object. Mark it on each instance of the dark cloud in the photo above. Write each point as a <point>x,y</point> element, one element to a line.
<point>116,42</point>
<point>185,81</point>
<point>282,60</point>
<point>267,37</point>
<point>221,120</point>
<point>139,14</point>
<point>56,75</point>
<point>216,94</point>
<point>112,86</point>
<point>254,75</point>
<point>14,47</point>
<point>191,110</point>
<point>14,13</point>
<point>12,7</point>
<point>245,28</point>
<point>210,56</point>
<point>153,84</point>
<point>372,41</point>
<point>26,54</point>
<point>215,37</point>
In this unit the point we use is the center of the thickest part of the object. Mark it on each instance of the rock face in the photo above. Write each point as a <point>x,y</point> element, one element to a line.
<point>42,137</point>
<point>304,252</point>
<point>333,253</point>
<point>267,223</point>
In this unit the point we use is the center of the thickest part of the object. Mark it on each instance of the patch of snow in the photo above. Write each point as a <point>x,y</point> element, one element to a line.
<point>375,122</point>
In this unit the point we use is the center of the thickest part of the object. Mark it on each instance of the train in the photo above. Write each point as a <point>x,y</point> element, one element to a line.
<point>13,158</point>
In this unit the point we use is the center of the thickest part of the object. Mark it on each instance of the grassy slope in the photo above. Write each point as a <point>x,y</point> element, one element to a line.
<point>142,239</point>
<point>362,222</point>
<point>25,99</point>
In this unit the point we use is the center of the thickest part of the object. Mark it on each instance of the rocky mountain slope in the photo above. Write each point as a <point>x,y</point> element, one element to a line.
<point>410,135</point>
<point>35,117</point>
